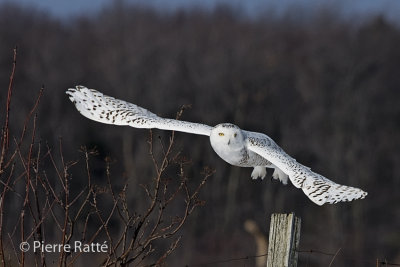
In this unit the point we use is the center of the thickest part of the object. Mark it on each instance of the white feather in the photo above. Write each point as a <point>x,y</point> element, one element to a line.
<point>319,189</point>
<point>235,146</point>
<point>102,108</point>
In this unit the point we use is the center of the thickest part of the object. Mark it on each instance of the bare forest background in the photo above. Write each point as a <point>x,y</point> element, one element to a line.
<point>326,89</point>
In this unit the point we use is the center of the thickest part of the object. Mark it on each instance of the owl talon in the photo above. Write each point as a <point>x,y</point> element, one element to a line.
<point>259,172</point>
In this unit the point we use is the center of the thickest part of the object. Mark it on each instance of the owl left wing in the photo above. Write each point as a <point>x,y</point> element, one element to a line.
<point>318,188</point>
<point>106,109</point>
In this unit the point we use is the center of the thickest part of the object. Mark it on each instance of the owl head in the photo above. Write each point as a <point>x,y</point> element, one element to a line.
<point>227,134</point>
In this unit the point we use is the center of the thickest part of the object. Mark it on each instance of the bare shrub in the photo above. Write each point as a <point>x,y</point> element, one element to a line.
<point>38,205</point>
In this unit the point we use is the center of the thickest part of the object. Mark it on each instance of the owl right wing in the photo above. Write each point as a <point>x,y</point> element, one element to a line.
<point>102,108</point>
<point>318,188</point>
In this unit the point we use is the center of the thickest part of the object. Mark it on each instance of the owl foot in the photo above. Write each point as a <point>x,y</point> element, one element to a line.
<point>280,175</point>
<point>259,172</point>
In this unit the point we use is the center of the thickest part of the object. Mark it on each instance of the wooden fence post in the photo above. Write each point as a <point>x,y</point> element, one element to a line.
<point>284,238</point>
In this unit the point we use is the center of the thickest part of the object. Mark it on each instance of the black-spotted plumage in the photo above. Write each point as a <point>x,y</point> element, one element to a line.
<point>235,146</point>
<point>317,187</point>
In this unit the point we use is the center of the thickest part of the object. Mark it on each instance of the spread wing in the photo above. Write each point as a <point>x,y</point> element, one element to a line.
<point>317,187</point>
<point>102,108</point>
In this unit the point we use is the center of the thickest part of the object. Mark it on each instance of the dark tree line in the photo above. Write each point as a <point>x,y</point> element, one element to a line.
<point>326,90</point>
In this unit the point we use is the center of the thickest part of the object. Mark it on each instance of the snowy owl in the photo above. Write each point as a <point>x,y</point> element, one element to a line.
<point>234,145</point>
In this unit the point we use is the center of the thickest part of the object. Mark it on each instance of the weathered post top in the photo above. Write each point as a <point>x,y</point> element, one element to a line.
<point>284,238</point>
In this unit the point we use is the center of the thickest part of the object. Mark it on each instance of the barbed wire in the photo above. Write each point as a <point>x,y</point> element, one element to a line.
<point>227,260</point>
<point>376,261</point>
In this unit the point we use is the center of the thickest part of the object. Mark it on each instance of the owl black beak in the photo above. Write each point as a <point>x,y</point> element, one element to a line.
<point>229,142</point>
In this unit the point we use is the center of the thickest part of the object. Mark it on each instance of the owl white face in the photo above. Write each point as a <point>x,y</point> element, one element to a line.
<point>227,134</point>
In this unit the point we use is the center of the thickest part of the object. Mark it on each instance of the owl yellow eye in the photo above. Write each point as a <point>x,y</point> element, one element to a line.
<point>235,135</point>
<point>221,134</point>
